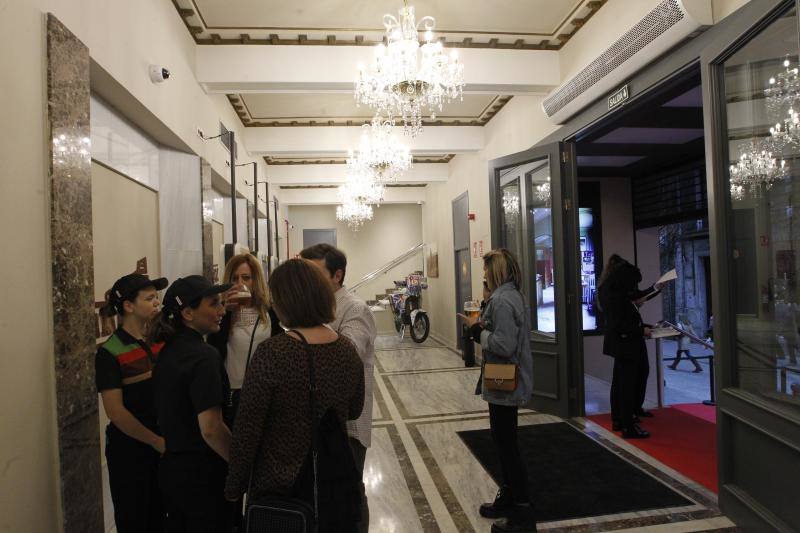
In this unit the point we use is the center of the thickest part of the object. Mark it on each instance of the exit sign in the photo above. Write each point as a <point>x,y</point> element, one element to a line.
<point>618,97</point>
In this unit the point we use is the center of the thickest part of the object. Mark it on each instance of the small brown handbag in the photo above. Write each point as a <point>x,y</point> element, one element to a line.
<point>500,376</point>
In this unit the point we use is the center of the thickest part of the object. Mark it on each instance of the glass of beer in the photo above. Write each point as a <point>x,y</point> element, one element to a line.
<point>472,308</point>
<point>243,297</point>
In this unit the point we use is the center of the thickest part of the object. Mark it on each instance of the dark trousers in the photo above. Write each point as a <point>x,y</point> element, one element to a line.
<point>133,480</point>
<point>360,456</point>
<point>193,485</point>
<point>642,373</point>
<point>503,425</point>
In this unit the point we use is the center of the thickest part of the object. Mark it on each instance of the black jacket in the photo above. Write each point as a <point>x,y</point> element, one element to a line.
<point>219,340</point>
<point>624,329</point>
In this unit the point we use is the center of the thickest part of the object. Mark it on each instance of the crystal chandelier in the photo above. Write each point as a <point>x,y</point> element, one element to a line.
<point>510,204</point>
<point>756,169</point>
<point>783,90</point>
<point>543,191</point>
<point>786,133</point>
<point>354,213</point>
<point>405,78</point>
<point>380,154</point>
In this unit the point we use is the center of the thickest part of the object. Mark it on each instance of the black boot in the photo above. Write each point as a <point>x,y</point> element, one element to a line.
<point>521,519</point>
<point>501,506</point>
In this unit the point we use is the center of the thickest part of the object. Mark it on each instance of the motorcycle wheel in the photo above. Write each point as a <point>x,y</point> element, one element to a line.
<point>421,328</point>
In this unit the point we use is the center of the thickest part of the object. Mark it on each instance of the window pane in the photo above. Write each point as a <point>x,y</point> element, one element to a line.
<point>762,91</point>
<point>511,219</point>
<point>540,232</point>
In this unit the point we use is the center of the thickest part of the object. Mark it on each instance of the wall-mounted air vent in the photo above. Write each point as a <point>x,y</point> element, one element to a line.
<point>665,26</point>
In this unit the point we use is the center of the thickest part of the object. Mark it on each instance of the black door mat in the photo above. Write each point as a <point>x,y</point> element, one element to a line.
<point>571,476</point>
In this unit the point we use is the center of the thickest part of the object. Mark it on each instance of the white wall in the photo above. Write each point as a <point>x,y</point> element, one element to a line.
<point>394,229</point>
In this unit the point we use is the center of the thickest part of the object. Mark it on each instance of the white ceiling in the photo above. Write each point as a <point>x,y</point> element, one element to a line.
<point>519,17</point>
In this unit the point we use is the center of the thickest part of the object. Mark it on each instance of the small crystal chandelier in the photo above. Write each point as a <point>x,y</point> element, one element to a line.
<point>354,213</point>
<point>756,169</point>
<point>543,191</point>
<point>405,78</point>
<point>783,90</point>
<point>380,154</point>
<point>510,204</point>
<point>786,133</point>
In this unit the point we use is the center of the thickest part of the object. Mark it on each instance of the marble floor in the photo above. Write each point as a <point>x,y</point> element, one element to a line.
<point>421,477</point>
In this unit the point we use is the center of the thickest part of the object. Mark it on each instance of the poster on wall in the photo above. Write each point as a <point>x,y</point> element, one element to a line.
<point>432,264</point>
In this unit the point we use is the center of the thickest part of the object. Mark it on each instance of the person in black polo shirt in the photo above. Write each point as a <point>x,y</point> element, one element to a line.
<point>123,369</point>
<point>191,388</point>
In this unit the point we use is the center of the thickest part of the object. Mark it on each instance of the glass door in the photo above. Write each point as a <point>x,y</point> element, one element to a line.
<point>752,99</point>
<point>533,217</point>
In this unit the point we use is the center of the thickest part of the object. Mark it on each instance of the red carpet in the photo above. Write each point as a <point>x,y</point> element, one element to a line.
<point>683,437</point>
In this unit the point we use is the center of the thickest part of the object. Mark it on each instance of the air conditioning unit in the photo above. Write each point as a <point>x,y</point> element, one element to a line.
<point>667,25</point>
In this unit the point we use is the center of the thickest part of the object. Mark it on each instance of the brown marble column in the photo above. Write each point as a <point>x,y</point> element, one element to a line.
<point>73,278</point>
<point>206,198</point>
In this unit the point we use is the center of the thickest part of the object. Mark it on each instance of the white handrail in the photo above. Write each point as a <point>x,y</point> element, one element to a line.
<point>388,266</point>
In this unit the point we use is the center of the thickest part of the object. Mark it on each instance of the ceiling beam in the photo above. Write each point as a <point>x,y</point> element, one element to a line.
<point>392,195</point>
<point>337,140</point>
<point>335,174</point>
<point>246,68</point>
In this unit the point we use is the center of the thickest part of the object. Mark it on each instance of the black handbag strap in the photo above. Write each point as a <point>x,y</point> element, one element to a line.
<point>252,336</point>
<point>312,390</point>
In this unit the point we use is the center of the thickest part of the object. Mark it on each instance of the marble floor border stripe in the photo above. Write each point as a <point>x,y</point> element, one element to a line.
<point>385,416</point>
<point>405,415</point>
<point>421,504</point>
<point>451,502</point>
<point>624,524</point>
<point>429,371</point>
<point>648,468</point>
<point>394,396</point>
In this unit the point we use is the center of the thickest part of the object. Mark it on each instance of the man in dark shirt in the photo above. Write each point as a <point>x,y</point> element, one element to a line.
<point>191,388</point>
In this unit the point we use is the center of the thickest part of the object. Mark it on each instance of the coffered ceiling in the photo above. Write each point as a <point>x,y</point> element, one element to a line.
<point>340,109</point>
<point>521,24</point>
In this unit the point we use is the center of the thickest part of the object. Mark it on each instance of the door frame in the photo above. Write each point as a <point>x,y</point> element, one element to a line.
<point>456,249</point>
<point>568,398</point>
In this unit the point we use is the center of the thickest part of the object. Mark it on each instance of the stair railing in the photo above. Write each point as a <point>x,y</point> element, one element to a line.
<point>387,267</point>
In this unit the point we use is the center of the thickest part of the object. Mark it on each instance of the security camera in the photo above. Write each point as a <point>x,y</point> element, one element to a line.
<point>158,74</point>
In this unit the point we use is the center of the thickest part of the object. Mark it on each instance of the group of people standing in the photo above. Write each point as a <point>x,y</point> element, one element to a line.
<point>208,394</point>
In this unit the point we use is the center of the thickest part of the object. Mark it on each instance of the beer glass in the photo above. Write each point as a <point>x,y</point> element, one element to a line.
<point>472,308</point>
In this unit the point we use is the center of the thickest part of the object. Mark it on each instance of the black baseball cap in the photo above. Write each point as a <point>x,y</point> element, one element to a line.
<point>128,286</point>
<point>190,290</point>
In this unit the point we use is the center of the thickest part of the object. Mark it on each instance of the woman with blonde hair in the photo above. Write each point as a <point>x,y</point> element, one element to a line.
<point>249,321</point>
<point>503,330</point>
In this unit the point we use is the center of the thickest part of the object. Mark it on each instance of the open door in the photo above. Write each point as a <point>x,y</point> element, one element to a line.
<point>750,94</point>
<point>534,216</point>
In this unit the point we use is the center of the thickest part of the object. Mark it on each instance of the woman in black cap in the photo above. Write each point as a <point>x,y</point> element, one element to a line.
<point>123,370</point>
<point>191,389</point>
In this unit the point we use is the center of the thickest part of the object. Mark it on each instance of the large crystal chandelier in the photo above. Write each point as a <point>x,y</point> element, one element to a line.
<point>406,78</point>
<point>756,169</point>
<point>380,154</point>
<point>356,195</point>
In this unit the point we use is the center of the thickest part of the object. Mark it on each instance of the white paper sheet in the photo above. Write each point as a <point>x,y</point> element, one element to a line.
<point>669,276</point>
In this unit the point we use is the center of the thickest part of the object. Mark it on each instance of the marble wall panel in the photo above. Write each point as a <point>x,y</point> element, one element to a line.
<point>73,279</point>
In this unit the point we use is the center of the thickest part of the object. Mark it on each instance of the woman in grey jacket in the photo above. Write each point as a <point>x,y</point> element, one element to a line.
<point>503,330</point>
